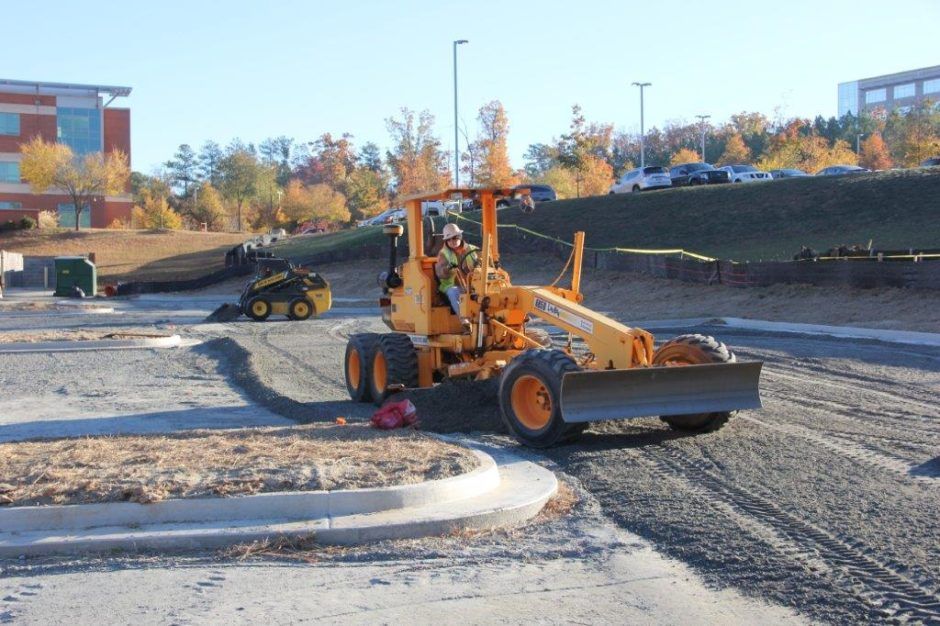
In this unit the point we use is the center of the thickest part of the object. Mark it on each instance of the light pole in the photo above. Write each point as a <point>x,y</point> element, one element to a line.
<point>858,143</point>
<point>701,119</point>
<point>642,130</point>
<point>456,143</point>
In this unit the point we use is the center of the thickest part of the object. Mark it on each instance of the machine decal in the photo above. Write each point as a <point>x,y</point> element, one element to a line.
<point>419,340</point>
<point>562,314</point>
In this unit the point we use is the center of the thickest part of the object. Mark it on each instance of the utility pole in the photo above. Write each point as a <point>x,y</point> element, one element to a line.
<point>456,142</point>
<point>858,143</point>
<point>642,129</point>
<point>701,119</point>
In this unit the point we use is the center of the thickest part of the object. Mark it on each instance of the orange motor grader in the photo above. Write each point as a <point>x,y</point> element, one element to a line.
<point>546,395</point>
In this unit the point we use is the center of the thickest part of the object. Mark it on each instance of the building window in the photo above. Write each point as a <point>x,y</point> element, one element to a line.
<point>904,91</point>
<point>67,216</point>
<point>9,172</point>
<point>932,85</point>
<point>876,95</point>
<point>10,124</point>
<point>79,129</point>
<point>848,98</point>
<point>10,206</point>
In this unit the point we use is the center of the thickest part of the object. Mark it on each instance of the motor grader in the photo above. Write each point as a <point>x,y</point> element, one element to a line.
<point>546,395</point>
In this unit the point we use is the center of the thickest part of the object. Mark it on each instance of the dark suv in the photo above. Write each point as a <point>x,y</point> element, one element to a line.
<point>697,174</point>
<point>931,162</point>
<point>538,193</point>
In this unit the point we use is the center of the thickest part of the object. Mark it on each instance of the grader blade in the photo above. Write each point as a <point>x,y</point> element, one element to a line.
<point>690,389</point>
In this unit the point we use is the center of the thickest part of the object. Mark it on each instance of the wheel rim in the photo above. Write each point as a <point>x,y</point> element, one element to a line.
<point>259,308</point>
<point>301,309</point>
<point>354,369</point>
<point>531,402</point>
<point>380,372</point>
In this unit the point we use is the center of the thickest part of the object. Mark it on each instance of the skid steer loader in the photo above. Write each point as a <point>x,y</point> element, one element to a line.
<point>279,288</point>
<point>546,395</point>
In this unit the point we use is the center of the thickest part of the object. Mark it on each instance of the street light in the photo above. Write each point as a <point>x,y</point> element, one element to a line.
<point>701,119</point>
<point>858,143</point>
<point>642,130</point>
<point>456,144</point>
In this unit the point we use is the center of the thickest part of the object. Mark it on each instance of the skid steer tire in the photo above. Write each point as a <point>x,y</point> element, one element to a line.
<point>258,309</point>
<point>356,366</point>
<point>394,366</point>
<point>530,398</point>
<point>694,350</point>
<point>300,309</point>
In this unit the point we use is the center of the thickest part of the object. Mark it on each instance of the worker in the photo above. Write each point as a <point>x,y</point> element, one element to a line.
<point>527,204</point>
<point>456,256</point>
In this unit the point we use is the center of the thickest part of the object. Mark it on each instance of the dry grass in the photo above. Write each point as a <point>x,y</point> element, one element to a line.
<point>123,255</point>
<point>196,464</point>
<point>34,336</point>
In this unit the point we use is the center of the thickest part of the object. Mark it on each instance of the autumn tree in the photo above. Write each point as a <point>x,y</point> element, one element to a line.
<point>53,165</point>
<point>416,160</point>
<point>328,204</point>
<point>492,158</point>
<point>208,207</point>
<point>582,149</point>
<point>154,212</point>
<point>266,203</point>
<point>366,192</point>
<point>239,174</point>
<point>278,153</point>
<point>684,155</point>
<point>874,153</point>
<point>735,151</point>
<point>915,135</point>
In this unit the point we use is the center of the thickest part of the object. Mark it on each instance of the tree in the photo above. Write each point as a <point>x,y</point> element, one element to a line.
<point>50,164</point>
<point>417,162</point>
<point>239,173</point>
<point>582,146</point>
<point>914,136</point>
<point>684,155</point>
<point>492,156</point>
<point>267,199</point>
<point>183,168</point>
<point>328,204</point>
<point>366,192</point>
<point>735,151</point>
<point>210,162</point>
<point>278,152</point>
<point>370,157</point>
<point>874,154</point>
<point>208,208</point>
<point>154,212</point>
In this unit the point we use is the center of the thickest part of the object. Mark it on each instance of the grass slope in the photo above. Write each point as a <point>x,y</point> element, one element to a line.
<point>743,222</point>
<point>123,255</point>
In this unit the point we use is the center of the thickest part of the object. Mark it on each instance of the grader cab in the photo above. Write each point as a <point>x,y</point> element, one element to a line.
<point>547,395</point>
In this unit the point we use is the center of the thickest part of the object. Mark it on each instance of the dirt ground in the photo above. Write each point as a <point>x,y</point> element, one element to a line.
<point>637,298</point>
<point>212,463</point>
<point>78,334</point>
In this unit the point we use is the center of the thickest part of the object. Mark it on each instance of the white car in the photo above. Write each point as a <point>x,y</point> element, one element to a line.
<point>746,174</point>
<point>641,179</point>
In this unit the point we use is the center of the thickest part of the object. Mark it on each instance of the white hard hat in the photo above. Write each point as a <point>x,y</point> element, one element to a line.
<point>451,231</point>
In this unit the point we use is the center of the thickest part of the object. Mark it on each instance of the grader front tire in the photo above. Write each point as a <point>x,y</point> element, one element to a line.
<point>394,366</point>
<point>356,366</point>
<point>530,398</point>
<point>694,350</point>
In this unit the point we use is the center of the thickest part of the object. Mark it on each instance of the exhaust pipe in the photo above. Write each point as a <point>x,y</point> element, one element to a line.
<point>393,232</point>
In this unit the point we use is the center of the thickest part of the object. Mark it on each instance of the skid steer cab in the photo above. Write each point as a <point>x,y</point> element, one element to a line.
<point>601,370</point>
<point>280,288</point>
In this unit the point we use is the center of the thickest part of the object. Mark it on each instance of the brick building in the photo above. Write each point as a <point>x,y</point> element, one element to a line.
<point>76,115</point>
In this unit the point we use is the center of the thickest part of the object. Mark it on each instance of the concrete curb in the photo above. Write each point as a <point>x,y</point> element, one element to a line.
<point>285,505</point>
<point>171,341</point>
<point>523,489</point>
<point>848,332</point>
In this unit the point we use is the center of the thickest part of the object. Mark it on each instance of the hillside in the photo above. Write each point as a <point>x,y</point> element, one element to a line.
<point>897,209</point>
<point>132,254</point>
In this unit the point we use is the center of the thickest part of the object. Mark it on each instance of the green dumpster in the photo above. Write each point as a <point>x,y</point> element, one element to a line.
<point>75,270</point>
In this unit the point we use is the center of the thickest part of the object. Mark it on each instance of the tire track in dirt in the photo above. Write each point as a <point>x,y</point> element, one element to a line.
<point>874,583</point>
<point>18,599</point>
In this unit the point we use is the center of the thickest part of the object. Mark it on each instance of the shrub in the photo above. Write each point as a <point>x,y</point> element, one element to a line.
<point>48,219</point>
<point>27,223</point>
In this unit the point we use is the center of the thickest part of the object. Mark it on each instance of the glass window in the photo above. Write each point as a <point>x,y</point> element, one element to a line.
<point>10,206</point>
<point>904,91</point>
<point>79,129</point>
<point>67,216</point>
<point>932,85</point>
<point>876,95</point>
<point>10,124</point>
<point>654,170</point>
<point>848,98</point>
<point>9,172</point>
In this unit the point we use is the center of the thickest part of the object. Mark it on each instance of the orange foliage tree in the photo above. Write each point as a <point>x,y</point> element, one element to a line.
<point>874,153</point>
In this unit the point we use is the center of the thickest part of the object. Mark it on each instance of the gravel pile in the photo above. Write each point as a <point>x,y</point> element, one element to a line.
<point>458,406</point>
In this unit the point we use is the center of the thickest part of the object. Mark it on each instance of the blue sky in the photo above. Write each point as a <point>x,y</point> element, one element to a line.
<point>217,70</point>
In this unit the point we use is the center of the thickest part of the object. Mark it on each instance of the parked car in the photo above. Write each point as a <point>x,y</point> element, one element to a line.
<point>539,193</point>
<point>642,178</point>
<point>841,170</point>
<point>746,174</point>
<point>697,174</point>
<point>931,162</point>
<point>787,173</point>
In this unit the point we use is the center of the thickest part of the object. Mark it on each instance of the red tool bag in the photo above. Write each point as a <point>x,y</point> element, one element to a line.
<point>395,415</point>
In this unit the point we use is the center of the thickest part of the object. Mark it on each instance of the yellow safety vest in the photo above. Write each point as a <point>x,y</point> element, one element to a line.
<point>451,256</point>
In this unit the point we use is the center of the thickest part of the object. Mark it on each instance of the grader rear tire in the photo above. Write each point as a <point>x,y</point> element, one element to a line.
<point>530,398</point>
<point>359,353</point>
<point>694,350</point>
<point>394,366</point>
